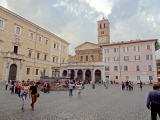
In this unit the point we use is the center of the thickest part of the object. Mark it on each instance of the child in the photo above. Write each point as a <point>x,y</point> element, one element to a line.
<point>80,88</point>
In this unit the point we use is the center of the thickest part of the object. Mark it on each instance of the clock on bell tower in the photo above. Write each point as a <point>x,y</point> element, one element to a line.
<point>103,32</point>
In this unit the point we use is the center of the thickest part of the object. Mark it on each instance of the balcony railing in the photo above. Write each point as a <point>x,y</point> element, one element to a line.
<point>82,64</point>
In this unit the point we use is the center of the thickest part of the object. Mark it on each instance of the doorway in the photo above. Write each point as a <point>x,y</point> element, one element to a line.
<point>107,79</point>
<point>13,72</point>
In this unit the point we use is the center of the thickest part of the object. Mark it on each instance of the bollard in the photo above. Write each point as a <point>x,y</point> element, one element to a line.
<point>93,86</point>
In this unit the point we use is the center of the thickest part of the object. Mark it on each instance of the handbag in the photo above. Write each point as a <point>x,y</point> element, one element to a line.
<point>38,95</point>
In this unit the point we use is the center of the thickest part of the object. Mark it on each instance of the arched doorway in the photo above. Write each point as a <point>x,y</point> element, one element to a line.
<point>79,74</point>
<point>64,74</point>
<point>88,75</point>
<point>72,74</point>
<point>97,75</point>
<point>12,72</point>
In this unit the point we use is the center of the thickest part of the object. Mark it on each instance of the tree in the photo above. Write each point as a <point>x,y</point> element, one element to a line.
<point>157,47</point>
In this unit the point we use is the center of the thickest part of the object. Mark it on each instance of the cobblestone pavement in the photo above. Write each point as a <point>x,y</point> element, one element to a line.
<point>93,104</point>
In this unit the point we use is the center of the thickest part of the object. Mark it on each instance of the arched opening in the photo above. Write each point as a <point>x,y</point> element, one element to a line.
<point>12,72</point>
<point>158,64</point>
<point>97,76</point>
<point>88,75</point>
<point>158,72</point>
<point>100,26</point>
<point>79,74</point>
<point>64,73</point>
<point>72,74</point>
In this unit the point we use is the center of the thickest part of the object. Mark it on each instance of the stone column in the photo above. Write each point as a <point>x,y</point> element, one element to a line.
<point>84,74</point>
<point>92,75</point>
<point>75,73</point>
<point>68,73</point>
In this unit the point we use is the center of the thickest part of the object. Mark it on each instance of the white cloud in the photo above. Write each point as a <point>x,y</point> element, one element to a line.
<point>103,6</point>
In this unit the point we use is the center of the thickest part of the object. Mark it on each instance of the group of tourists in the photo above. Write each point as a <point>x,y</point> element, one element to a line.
<point>128,85</point>
<point>23,89</point>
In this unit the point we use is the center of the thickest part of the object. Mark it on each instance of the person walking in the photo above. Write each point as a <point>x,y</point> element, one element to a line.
<point>70,88</point>
<point>153,101</point>
<point>6,85</point>
<point>79,88</point>
<point>123,86</point>
<point>127,84</point>
<point>33,93</point>
<point>23,94</point>
<point>141,85</point>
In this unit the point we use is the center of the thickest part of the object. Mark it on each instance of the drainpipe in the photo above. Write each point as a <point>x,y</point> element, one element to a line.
<point>34,53</point>
<point>119,62</point>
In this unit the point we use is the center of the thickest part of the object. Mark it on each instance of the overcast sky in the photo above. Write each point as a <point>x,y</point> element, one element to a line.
<point>76,20</point>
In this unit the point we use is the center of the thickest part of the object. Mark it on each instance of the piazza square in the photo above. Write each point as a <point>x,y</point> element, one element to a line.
<point>93,104</point>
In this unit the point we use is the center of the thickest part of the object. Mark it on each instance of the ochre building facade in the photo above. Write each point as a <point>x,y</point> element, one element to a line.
<point>27,50</point>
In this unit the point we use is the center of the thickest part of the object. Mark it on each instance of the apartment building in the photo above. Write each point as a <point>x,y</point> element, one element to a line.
<point>28,50</point>
<point>132,60</point>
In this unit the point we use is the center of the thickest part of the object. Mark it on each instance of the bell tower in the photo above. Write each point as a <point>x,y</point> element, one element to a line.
<point>103,31</point>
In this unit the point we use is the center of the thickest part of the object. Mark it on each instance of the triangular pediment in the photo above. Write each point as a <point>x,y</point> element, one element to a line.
<point>86,45</point>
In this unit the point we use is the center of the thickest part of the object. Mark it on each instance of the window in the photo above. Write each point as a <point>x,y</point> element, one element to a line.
<point>45,57</point>
<point>100,26</point>
<point>126,58</point>
<point>57,47</point>
<point>106,50</point>
<point>149,67</point>
<point>18,30</point>
<point>106,68</point>
<point>92,58</point>
<point>148,57</point>
<point>39,39</point>
<point>115,49</point>
<point>29,53</point>
<point>137,68</point>
<point>126,68</point>
<point>46,43</point>
<point>127,77</point>
<point>116,77</point>
<point>138,78</point>
<point>116,58</point>
<point>81,58</point>
<point>137,57</point>
<point>148,47</point>
<point>54,45</point>
<point>15,49</point>
<point>136,48</point>
<point>107,59</point>
<point>1,24</point>
<point>63,61</point>
<point>53,59</point>
<point>38,55</point>
<point>104,25</point>
<point>115,68</point>
<point>31,36</point>
<point>28,71</point>
<point>150,78</point>
<point>125,49</point>
<point>86,58</point>
<point>36,71</point>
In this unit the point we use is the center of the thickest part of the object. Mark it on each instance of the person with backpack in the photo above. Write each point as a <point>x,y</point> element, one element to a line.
<point>23,94</point>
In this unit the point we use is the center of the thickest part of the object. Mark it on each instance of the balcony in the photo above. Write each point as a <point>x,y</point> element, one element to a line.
<point>83,64</point>
<point>13,55</point>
